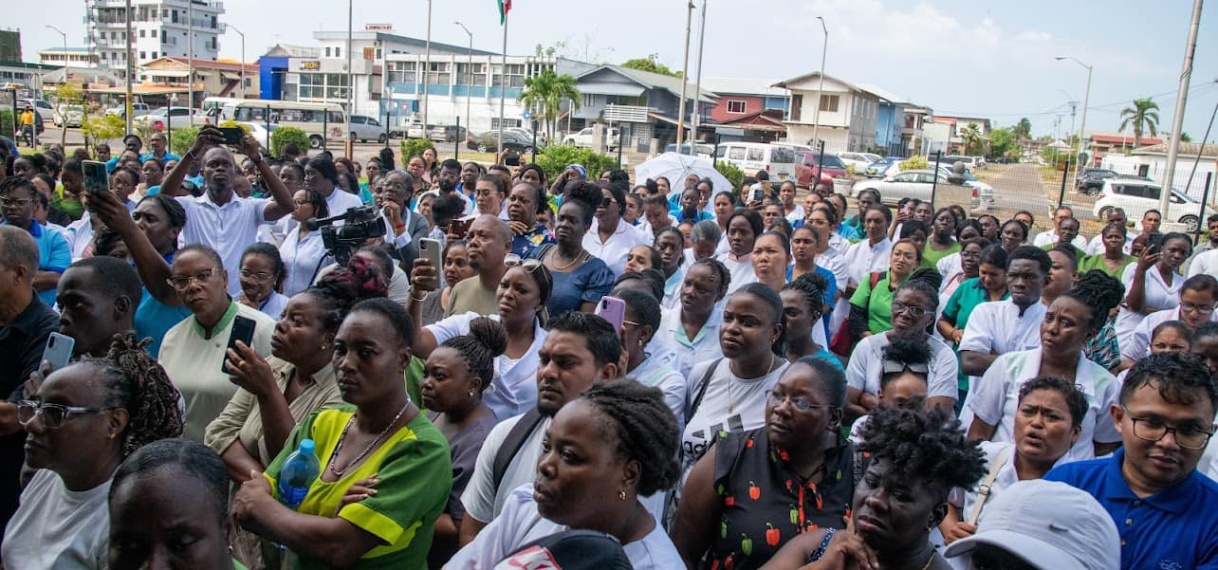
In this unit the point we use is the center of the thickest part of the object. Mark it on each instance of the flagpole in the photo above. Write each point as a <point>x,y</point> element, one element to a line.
<point>503,81</point>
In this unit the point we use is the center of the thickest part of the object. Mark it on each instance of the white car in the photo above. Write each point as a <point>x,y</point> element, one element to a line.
<point>137,110</point>
<point>44,109</point>
<point>584,138</point>
<point>365,128</point>
<point>908,184</point>
<point>259,132</point>
<point>985,191</point>
<point>69,115</point>
<point>159,119</point>
<point>860,160</point>
<point>1137,196</point>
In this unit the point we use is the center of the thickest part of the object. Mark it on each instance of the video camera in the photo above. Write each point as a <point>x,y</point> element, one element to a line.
<point>358,226</point>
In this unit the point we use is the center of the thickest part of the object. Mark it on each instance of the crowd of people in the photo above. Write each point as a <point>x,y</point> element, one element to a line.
<point>491,361</point>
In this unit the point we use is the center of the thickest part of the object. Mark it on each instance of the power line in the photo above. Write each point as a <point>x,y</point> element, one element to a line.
<point>1055,110</point>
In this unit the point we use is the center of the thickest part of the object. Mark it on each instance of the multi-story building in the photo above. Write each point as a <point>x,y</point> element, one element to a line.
<point>160,28</point>
<point>849,114</point>
<point>69,57</point>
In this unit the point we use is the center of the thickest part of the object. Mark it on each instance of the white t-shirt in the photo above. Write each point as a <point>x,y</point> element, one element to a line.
<point>513,390</point>
<point>228,229</point>
<point>1050,237</point>
<point>1007,476</point>
<point>58,529</point>
<point>662,370</point>
<point>1206,262</point>
<point>740,269</point>
<point>482,500</point>
<point>730,404</point>
<point>796,215</point>
<point>704,347</point>
<point>863,259</point>
<point>521,524</point>
<point>949,265</point>
<point>997,327</point>
<point>836,264</point>
<point>613,250</point>
<point>1159,295</point>
<point>339,201</point>
<point>1138,346</point>
<point>303,260</point>
<point>995,400</point>
<point>866,366</point>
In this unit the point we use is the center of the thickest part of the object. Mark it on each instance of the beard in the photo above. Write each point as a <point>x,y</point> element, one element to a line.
<point>447,185</point>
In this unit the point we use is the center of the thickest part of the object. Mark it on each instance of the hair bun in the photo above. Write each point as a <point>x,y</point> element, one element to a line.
<point>490,334</point>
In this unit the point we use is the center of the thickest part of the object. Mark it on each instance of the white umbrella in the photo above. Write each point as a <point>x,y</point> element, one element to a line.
<point>677,167</point>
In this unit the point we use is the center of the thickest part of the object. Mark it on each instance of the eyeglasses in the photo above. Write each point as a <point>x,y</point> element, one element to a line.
<point>774,398</point>
<point>895,367</point>
<point>607,202</point>
<point>181,282</point>
<point>1202,309</point>
<point>1153,429</point>
<point>911,310</point>
<point>18,202</point>
<point>632,323</point>
<point>514,260</point>
<point>255,275</point>
<point>53,415</point>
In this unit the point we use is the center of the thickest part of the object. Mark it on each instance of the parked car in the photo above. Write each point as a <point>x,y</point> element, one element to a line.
<point>806,168</point>
<point>912,184</point>
<point>365,128</point>
<point>259,132</point>
<point>158,119</point>
<point>985,192</point>
<point>489,142</point>
<point>860,160</point>
<point>43,109</point>
<point>778,160</point>
<point>137,110</point>
<point>1091,180</point>
<point>447,133</point>
<point>69,115</point>
<point>1137,195</point>
<point>416,130</point>
<point>880,168</point>
<point>584,138</point>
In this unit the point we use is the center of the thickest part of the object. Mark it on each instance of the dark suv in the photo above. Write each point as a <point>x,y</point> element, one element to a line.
<point>1090,180</point>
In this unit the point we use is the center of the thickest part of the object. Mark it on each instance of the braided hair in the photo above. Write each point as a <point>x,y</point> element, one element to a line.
<point>812,285</point>
<point>1100,293</point>
<point>341,289</point>
<point>924,443</point>
<point>134,381</point>
<point>644,428</point>
<point>487,339</point>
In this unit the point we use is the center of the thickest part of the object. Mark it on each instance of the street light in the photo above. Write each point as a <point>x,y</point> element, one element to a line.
<point>820,88</point>
<point>1082,128</point>
<point>470,69</point>
<point>63,134</point>
<point>242,34</point>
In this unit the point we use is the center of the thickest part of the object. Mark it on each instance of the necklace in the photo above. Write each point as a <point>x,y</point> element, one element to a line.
<point>339,472</point>
<point>564,268</point>
<point>731,400</point>
<point>929,560</point>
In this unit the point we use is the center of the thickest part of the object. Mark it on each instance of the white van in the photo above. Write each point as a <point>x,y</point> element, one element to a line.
<point>776,159</point>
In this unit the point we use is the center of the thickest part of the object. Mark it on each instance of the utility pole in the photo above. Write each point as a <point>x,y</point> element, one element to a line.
<point>689,20</point>
<point>1186,74</point>
<point>427,71</point>
<point>469,69</point>
<point>820,88</point>
<point>242,34</point>
<point>693,138</point>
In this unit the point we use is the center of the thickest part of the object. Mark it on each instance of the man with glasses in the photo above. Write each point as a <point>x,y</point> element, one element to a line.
<point>25,324</point>
<point>1162,506</point>
<point>18,198</point>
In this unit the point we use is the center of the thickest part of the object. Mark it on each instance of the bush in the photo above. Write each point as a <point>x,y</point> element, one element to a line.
<point>732,172</point>
<point>914,163</point>
<point>282,136</point>
<point>103,129</point>
<point>182,140</point>
<point>415,147</point>
<point>554,159</point>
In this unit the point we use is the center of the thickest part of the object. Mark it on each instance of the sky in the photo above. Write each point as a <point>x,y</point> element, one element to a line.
<point>986,58</point>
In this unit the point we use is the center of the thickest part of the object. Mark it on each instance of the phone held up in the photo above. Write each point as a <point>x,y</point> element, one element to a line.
<point>96,179</point>
<point>243,330</point>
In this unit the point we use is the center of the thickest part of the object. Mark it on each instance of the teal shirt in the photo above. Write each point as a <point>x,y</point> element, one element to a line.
<point>959,307</point>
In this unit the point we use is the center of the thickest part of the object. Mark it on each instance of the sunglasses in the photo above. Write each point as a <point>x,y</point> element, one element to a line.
<point>894,367</point>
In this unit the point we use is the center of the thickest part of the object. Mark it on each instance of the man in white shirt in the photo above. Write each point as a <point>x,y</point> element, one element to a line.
<point>321,175</point>
<point>1050,237</point>
<point>1211,224</point>
<point>1116,216</point>
<point>219,218</point>
<point>998,327</point>
<point>579,350</point>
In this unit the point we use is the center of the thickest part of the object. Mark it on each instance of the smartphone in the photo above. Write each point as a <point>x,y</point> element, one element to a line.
<point>96,179</point>
<point>758,194</point>
<point>243,330</point>
<point>232,135</point>
<point>612,309</point>
<point>459,227</point>
<point>430,250</point>
<point>58,351</point>
<point>1154,243</point>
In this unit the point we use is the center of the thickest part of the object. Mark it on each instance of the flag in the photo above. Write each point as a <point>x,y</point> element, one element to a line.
<point>505,6</point>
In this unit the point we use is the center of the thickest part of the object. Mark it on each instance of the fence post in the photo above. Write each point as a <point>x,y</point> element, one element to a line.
<point>934,184</point>
<point>1061,196</point>
<point>325,128</point>
<point>820,166</point>
<point>457,140</point>
<point>1205,194</point>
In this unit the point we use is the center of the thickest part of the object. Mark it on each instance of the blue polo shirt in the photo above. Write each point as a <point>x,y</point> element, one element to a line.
<point>1174,528</point>
<point>168,157</point>
<point>54,254</point>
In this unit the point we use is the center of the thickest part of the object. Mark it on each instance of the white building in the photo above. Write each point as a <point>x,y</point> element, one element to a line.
<point>74,57</point>
<point>848,113</point>
<point>159,28</point>
<point>1151,161</point>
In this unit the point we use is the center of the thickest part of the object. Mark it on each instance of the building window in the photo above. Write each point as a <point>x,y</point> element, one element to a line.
<point>336,86</point>
<point>439,73</point>
<point>312,86</point>
<point>327,52</point>
<point>589,100</point>
<point>737,107</point>
<point>402,72</point>
<point>338,52</point>
<point>154,55</point>
<point>378,53</point>
<point>143,56</point>
<point>828,103</point>
<point>142,32</point>
<point>507,122</point>
<point>797,105</point>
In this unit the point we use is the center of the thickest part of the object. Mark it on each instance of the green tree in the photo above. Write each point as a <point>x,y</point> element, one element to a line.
<point>103,129</point>
<point>555,158</point>
<point>415,147</point>
<point>1004,142</point>
<point>650,63</point>
<point>1023,129</point>
<point>732,173</point>
<point>974,143</point>
<point>283,135</point>
<point>544,93</point>
<point>1141,117</point>
<point>68,94</point>
<point>914,163</point>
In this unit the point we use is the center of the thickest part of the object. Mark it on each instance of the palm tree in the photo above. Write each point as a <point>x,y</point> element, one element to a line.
<point>1023,129</point>
<point>545,93</point>
<point>972,138</point>
<point>1143,115</point>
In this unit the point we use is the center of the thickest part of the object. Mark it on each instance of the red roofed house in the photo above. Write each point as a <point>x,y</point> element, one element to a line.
<point>1102,144</point>
<point>211,79</point>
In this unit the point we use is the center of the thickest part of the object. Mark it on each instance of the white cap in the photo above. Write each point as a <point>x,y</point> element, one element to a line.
<point>1047,524</point>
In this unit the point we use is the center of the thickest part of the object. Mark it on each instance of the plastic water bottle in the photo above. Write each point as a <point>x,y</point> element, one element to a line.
<point>298,474</point>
